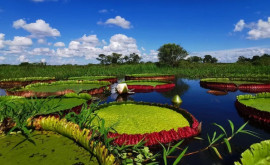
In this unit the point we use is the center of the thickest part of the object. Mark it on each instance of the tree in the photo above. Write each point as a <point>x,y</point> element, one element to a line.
<point>171,54</point>
<point>209,59</point>
<point>134,58</point>
<point>102,58</point>
<point>195,59</point>
<point>242,59</point>
<point>116,58</point>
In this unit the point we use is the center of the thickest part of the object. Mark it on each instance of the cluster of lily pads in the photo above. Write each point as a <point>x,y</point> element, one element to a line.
<point>118,132</point>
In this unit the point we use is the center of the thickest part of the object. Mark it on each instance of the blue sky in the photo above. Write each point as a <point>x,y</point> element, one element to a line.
<point>76,31</point>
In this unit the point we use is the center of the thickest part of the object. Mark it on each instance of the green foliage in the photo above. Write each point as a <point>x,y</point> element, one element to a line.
<point>258,154</point>
<point>168,151</point>
<point>195,59</point>
<point>171,54</point>
<point>188,70</point>
<point>209,59</point>
<point>85,96</point>
<point>237,81</point>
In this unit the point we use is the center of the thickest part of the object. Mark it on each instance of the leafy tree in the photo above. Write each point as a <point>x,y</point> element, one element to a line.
<point>171,54</point>
<point>134,58</point>
<point>116,58</point>
<point>242,59</point>
<point>209,59</point>
<point>102,58</point>
<point>195,59</point>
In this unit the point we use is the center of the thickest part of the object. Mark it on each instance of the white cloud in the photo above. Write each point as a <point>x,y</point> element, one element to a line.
<point>39,29</point>
<point>120,43</point>
<point>74,45</point>
<point>19,41</point>
<point>152,56</point>
<point>2,37</point>
<point>239,26</point>
<point>22,58</point>
<point>259,30</point>
<point>59,44</point>
<point>42,51</point>
<point>43,60</point>
<point>42,41</point>
<point>117,21</point>
<point>91,40</point>
<point>231,55</point>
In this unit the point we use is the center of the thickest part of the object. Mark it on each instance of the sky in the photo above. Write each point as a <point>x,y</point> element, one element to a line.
<point>77,31</point>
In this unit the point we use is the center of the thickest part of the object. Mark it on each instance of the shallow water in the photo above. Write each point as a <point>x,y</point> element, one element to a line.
<point>208,109</point>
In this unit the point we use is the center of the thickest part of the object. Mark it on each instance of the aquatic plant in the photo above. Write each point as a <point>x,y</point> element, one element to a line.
<point>255,107</point>
<point>138,125</point>
<point>259,154</point>
<point>84,137</point>
<point>29,79</point>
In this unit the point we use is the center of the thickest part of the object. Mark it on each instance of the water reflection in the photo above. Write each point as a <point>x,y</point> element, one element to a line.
<point>180,88</point>
<point>2,92</point>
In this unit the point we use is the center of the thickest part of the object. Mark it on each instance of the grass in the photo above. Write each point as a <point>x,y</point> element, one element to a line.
<point>139,119</point>
<point>186,70</point>
<point>151,83</point>
<point>148,75</point>
<point>49,148</point>
<point>262,104</point>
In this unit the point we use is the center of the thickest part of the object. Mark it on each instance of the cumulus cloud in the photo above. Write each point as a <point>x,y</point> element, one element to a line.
<point>152,56</point>
<point>117,21</point>
<point>42,51</point>
<point>231,55</point>
<point>239,26</point>
<point>59,44</point>
<point>19,41</point>
<point>91,40</point>
<point>38,29</point>
<point>257,30</point>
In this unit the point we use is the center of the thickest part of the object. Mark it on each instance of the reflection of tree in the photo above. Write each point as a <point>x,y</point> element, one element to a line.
<point>180,88</point>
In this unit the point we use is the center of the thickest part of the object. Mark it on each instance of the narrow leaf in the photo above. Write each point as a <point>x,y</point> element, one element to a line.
<point>178,159</point>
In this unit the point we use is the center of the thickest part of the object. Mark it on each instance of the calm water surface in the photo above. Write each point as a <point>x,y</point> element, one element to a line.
<point>208,109</point>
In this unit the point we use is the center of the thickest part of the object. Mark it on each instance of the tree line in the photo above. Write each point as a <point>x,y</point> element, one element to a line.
<point>116,58</point>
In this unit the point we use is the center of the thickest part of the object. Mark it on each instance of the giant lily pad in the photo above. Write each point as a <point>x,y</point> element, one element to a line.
<point>17,82</point>
<point>233,84</point>
<point>60,88</point>
<point>255,107</point>
<point>149,85</point>
<point>135,121</point>
<point>111,79</point>
<point>48,148</point>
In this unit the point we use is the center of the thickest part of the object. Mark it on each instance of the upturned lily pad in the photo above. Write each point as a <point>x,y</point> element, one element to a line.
<point>59,88</point>
<point>149,85</point>
<point>258,154</point>
<point>255,107</point>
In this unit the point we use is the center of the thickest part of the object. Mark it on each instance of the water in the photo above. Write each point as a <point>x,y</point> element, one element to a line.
<point>208,109</point>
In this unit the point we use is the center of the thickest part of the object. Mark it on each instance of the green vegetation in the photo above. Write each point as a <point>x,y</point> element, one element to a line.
<point>132,118</point>
<point>258,154</point>
<point>145,82</point>
<point>116,58</point>
<point>76,86</point>
<point>90,78</point>
<point>237,81</point>
<point>260,101</point>
<point>48,148</point>
<point>147,75</point>
<point>185,69</point>
<point>28,79</point>
<point>255,60</point>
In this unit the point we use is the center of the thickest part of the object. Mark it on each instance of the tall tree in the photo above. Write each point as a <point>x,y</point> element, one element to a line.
<point>102,58</point>
<point>171,54</point>
<point>195,59</point>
